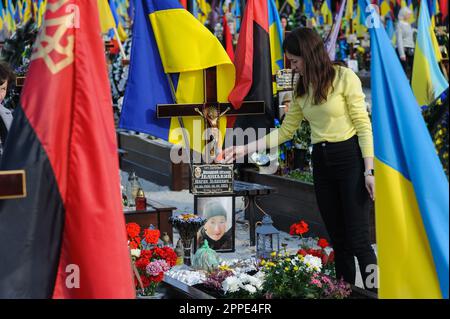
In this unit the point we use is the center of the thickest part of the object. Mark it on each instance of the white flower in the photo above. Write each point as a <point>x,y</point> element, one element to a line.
<point>255,281</point>
<point>250,289</point>
<point>231,284</point>
<point>135,253</point>
<point>313,262</point>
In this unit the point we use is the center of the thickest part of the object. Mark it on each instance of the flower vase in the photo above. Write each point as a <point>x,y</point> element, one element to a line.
<point>187,246</point>
<point>157,295</point>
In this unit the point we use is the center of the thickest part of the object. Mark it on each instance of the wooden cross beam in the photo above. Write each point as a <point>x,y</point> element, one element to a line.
<point>211,109</point>
<point>12,184</point>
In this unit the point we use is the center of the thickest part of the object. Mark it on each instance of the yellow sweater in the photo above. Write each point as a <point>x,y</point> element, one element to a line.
<point>343,115</point>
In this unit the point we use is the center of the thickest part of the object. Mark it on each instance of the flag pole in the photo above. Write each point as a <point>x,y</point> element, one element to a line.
<point>122,51</point>
<point>283,6</point>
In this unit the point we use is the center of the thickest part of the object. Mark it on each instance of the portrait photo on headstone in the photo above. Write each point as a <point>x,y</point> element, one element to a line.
<point>220,222</point>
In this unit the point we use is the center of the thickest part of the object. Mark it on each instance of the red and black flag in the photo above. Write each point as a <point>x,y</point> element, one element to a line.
<point>227,38</point>
<point>254,66</point>
<point>67,238</point>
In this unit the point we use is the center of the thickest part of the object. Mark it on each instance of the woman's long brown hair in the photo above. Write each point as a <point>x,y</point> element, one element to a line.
<point>318,68</point>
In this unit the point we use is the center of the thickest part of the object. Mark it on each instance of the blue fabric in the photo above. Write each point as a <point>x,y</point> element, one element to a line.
<point>402,141</point>
<point>147,83</point>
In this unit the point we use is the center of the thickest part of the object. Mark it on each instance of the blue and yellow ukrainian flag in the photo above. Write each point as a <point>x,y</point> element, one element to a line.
<point>385,8</point>
<point>390,29</point>
<point>360,20</point>
<point>2,15</point>
<point>276,38</point>
<point>107,23</point>
<point>18,13</point>
<point>9,17</point>
<point>434,10</point>
<point>295,3</point>
<point>118,24</point>
<point>41,6</point>
<point>428,82</point>
<point>27,11</point>
<point>237,14</point>
<point>308,8</point>
<point>412,201</point>
<point>203,10</point>
<point>169,41</point>
<point>325,9</point>
<point>349,10</point>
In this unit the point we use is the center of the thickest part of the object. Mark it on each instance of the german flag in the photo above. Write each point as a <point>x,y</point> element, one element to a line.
<point>67,238</point>
<point>254,67</point>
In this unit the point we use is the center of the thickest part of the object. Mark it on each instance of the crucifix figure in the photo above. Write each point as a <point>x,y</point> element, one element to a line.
<point>212,116</point>
<point>211,110</point>
<point>12,184</point>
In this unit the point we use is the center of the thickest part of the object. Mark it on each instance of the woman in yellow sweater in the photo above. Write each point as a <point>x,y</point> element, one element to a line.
<point>330,97</point>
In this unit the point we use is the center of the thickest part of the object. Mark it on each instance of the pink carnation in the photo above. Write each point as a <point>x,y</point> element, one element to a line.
<point>156,267</point>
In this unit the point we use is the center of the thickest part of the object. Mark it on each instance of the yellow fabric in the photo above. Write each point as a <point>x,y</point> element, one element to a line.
<point>384,8</point>
<point>349,10</point>
<point>187,47</point>
<point>421,83</point>
<point>343,115</point>
<point>122,34</point>
<point>27,14</point>
<point>437,50</point>
<point>41,12</point>
<point>106,18</point>
<point>406,267</point>
<point>204,10</point>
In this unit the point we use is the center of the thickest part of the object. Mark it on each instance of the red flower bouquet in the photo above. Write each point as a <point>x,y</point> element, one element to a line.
<point>150,261</point>
<point>301,228</point>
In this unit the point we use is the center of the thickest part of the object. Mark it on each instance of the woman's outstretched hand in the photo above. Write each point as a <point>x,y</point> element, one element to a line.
<point>232,153</point>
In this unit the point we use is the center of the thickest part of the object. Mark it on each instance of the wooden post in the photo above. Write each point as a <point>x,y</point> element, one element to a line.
<point>209,107</point>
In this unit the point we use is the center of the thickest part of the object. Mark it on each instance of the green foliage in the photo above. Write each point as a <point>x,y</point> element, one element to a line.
<point>303,176</point>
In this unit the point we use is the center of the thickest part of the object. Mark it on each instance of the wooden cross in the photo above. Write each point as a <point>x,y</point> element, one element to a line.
<point>12,184</point>
<point>211,110</point>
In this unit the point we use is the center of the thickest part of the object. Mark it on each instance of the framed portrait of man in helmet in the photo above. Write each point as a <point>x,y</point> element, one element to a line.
<point>219,229</point>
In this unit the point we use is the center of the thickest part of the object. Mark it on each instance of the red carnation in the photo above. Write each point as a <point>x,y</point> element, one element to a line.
<point>145,281</point>
<point>298,229</point>
<point>292,230</point>
<point>133,244</point>
<point>323,243</point>
<point>151,236</point>
<point>158,278</point>
<point>301,228</point>
<point>141,263</point>
<point>302,252</point>
<point>146,254</point>
<point>133,230</point>
<point>170,256</point>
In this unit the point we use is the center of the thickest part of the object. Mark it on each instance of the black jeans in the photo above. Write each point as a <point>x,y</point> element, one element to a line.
<point>343,201</point>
